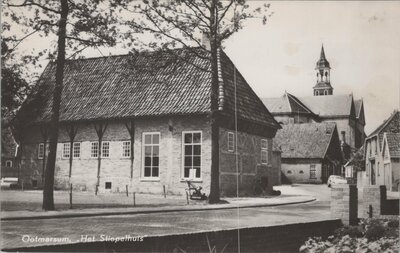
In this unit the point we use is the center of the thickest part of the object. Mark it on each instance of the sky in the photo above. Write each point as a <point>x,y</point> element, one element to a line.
<point>361,41</point>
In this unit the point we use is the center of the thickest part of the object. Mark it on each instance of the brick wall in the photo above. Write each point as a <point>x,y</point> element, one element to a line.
<point>285,238</point>
<point>344,203</point>
<point>298,170</point>
<point>371,196</point>
<point>116,169</point>
<point>249,164</point>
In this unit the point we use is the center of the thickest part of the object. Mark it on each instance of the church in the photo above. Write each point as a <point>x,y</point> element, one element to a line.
<point>319,109</point>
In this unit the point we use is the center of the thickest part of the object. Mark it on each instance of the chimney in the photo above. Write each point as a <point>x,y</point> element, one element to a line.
<point>205,41</point>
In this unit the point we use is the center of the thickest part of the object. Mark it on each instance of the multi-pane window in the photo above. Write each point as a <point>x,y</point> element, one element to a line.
<point>231,142</point>
<point>192,155</point>
<point>76,150</point>
<point>8,163</point>
<point>105,149</point>
<point>126,149</point>
<point>94,150</point>
<point>264,151</point>
<point>151,153</point>
<point>66,150</point>
<point>313,172</point>
<point>41,151</point>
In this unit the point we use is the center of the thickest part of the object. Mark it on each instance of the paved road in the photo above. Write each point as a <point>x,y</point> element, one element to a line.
<point>164,223</point>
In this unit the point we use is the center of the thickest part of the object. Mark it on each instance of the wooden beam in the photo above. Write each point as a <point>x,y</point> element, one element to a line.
<point>130,126</point>
<point>71,131</point>
<point>100,128</point>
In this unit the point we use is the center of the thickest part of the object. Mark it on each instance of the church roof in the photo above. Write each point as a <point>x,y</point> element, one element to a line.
<point>141,85</point>
<point>322,62</point>
<point>310,140</point>
<point>329,106</point>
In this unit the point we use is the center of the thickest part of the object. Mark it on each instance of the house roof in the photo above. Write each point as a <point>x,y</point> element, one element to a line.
<point>329,106</point>
<point>393,140</point>
<point>285,104</point>
<point>394,118</point>
<point>309,140</point>
<point>140,85</point>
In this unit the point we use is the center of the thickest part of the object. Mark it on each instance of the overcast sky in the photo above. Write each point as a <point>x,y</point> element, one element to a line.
<point>361,40</point>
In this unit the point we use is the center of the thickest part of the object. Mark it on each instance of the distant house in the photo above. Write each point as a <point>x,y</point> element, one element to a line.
<point>323,106</point>
<point>310,152</point>
<point>142,121</point>
<point>382,155</point>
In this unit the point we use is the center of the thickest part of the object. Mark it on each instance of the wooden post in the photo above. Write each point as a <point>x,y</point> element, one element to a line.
<point>187,198</point>
<point>71,131</point>
<point>127,194</point>
<point>130,126</point>
<point>134,199</point>
<point>70,196</point>
<point>165,194</point>
<point>100,129</point>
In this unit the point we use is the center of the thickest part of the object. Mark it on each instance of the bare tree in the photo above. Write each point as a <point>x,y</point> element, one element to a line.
<point>182,23</point>
<point>76,25</point>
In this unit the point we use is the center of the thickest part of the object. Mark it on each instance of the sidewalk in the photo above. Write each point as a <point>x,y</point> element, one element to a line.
<point>175,207</point>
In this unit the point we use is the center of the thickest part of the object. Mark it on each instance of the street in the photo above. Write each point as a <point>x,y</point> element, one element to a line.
<point>169,223</point>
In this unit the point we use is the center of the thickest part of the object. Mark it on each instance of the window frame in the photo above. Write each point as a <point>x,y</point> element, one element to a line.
<point>73,150</point>
<point>195,179</point>
<point>102,149</point>
<point>264,150</point>
<point>313,171</point>
<point>91,149</point>
<point>10,162</point>
<point>123,150</point>
<point>150,178</point>
<point>41,151</point>
<point>63,153</point>
<point>231,142</point>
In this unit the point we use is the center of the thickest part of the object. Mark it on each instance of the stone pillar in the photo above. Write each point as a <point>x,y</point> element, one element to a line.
<point>371,201</point>
<point>344,203</point>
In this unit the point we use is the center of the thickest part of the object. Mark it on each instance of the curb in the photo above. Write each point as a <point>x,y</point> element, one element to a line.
<point>76,215</point>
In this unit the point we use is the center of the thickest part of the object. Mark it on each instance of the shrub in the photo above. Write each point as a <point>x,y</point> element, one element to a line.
<point>352,231</point>
<point>393,223</point>
<point>374,230</point>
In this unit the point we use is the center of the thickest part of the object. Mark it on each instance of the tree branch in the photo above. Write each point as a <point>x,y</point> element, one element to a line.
<point>31,3</point>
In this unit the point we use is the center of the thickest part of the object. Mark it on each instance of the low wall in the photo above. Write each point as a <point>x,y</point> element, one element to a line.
<point>344,203</point>
<point>286,238</point>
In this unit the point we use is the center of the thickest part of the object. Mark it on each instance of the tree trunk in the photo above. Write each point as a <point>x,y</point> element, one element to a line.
<point>48,198</point>
<point>214,187</point>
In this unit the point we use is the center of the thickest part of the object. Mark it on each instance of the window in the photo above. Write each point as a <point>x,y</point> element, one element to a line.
<point>316,93</point>
<point>192,155</point>
<point>264,151</point>
<point>41,151</point>
<point>231,142</point>
<point>76,150</point>
<point>301,172</point>
<point>66,150</point>
<point>8,163</point>
<point>313,172</point>
<point>126,149</point>
<point>325,92</point>
<point>94,150</point>
<point>289,172</point>
<point>105,149</point>
<point>108,185</point>
<point>151,153</point>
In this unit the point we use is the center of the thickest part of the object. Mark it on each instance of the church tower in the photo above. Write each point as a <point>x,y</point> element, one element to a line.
<point>323,86</point>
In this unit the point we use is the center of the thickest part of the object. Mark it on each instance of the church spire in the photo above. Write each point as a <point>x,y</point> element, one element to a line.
<point>323,68</point>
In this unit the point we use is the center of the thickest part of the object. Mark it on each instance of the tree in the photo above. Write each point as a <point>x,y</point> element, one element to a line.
<point>76,25</point>
<point>182,23</point>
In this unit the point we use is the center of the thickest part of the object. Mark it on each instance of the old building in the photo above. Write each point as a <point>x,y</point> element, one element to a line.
<point>382,155</point>
<point>323,106</point>
<point>142,121</point>
<point>9,166</point>
<point>310,152</point>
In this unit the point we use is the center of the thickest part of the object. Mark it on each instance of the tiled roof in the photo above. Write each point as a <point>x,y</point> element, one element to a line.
<point>285,104</point>
<point>393,140</point>
<point>392,124</point>
<point>145,84</point>
<point>323,85</point>
<point>309,140</point>
<point>328,106</point>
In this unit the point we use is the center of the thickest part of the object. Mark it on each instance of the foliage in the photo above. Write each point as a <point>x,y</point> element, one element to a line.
<point>371,235</point>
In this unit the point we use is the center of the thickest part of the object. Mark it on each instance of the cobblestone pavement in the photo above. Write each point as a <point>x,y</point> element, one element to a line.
<point>153,224</point>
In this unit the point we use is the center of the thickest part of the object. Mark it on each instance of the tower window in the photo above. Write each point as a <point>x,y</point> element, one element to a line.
<point>316,93</point>
<point>325,92</point>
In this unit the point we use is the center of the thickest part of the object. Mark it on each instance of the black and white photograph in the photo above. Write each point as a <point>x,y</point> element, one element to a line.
<point>210,126</point>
